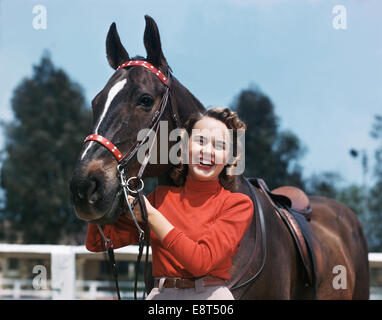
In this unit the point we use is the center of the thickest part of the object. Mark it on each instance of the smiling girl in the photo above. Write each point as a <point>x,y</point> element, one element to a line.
<point>197,225</point>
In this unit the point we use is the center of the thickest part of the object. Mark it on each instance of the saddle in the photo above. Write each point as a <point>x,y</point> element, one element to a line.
<point>293,206</point>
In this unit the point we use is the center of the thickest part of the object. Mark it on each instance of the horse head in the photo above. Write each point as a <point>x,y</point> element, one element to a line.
<point>128,103</point>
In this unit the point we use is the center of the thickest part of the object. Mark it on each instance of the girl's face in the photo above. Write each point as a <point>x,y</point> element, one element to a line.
<point>208,149</point>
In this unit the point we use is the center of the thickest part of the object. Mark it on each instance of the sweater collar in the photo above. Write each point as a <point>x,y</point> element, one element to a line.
<point>193,185</point>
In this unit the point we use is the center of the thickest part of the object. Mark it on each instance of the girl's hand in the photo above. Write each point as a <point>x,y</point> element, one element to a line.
<point>137,208</point>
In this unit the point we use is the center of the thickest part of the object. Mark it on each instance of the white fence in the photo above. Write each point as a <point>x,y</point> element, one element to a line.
<point>85,289</point>
<point>63,283</point>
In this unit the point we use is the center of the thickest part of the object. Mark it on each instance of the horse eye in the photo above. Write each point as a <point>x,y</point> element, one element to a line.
<point>145,101</point>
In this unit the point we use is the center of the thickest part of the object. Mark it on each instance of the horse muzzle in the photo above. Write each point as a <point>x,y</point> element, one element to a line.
<point>94,196</point>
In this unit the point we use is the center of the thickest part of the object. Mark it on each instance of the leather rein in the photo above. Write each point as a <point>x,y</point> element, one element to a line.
<point>125,180</point>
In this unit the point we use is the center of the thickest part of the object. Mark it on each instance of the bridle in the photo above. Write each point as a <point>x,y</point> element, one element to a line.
<point>125,180</point>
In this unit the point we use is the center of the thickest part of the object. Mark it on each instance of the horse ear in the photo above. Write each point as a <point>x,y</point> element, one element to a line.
<point>153,45</point>
<point>115,52</point>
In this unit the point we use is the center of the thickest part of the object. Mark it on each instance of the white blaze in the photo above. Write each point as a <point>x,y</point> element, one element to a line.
<point>112,93</point>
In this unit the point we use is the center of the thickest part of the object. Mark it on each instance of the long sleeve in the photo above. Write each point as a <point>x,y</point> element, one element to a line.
<point>122,233</point>
<point>220,242</point>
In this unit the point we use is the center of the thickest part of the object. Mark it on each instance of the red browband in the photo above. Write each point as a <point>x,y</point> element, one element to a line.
<point>146,65</point>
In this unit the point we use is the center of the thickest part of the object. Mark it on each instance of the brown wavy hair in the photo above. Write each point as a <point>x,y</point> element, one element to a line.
<point>232,121</point>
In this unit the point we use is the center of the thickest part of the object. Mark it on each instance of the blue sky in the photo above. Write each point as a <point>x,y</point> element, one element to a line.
<point>325,83</point>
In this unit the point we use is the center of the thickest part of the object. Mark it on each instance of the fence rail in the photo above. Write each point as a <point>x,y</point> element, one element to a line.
<point>85,290</point>
<point>63,283</point>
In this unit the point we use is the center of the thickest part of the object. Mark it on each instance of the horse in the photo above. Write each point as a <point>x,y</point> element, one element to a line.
<point>129,102</point>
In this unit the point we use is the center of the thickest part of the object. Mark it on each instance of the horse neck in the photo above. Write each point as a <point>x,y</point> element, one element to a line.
<point>184,101</point>
<point>184,104</point>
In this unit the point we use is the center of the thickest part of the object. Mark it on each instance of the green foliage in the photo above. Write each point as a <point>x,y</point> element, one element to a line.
<point>375,199</point>
<point>325,184</point>
<point>356,198</point>
<point>42,144</point>
<point>270,154</point>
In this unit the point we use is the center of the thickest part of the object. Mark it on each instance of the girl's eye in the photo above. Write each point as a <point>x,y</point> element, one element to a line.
<point>199,139</point>
<point>220,145</point>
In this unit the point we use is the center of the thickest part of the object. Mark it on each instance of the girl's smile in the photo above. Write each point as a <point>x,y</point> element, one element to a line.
<point>207,149</point>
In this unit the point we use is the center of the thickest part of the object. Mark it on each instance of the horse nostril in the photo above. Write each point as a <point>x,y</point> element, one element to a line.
<point>93,195</point>
<point>81,195</point>
<point>93,191</point>
<point>87,190</point>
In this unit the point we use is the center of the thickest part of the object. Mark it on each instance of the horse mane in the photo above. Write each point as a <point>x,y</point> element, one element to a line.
<point>185,102</point>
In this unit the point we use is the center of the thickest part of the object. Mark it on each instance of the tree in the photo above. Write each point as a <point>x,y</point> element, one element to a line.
<point>375,198</point>
<point>325,184</point>
<point>270,154</point>
<point>356,198</point>
<point>42,144</point>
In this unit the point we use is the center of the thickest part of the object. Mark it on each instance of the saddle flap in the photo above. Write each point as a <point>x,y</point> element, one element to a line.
<point>300,230</point>
<point>297,224</point>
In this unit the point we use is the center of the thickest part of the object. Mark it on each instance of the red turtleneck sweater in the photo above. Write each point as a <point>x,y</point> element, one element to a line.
<point>209,223</point>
